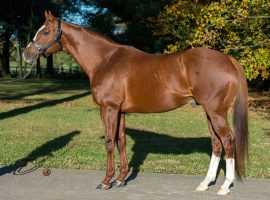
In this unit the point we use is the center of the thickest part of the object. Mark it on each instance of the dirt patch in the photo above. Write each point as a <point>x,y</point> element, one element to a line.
<point>259,102</point>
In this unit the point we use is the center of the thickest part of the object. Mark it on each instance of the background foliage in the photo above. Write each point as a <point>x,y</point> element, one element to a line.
<point>240,28</point>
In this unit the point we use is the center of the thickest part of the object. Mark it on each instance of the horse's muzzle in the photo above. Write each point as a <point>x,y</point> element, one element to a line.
<point>29,57</point>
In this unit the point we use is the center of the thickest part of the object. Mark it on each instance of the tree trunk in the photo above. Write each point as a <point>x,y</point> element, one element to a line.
<point>5,53</point>
<point>1,61</point>
<point>266,84</point>
<point>29,32</point>
<point>38,68</point>
<point>19,56</point>
<point>49,67</point>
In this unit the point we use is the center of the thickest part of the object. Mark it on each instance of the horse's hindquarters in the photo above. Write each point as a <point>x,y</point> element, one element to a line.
<point>211,76</point>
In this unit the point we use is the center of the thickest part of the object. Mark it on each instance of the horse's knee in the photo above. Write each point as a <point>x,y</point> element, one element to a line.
<point>109,143</point>
<point>121,144</point>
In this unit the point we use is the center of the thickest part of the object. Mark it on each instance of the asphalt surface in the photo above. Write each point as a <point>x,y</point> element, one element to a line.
<point>27,184</point>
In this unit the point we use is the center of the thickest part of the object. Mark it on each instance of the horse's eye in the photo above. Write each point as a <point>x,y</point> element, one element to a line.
<point>46,33</point>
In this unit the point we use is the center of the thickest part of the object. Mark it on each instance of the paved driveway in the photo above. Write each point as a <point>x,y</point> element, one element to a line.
<point>81,184</point>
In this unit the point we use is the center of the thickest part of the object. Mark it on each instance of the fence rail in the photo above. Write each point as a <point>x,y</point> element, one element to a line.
<point>58,72</point>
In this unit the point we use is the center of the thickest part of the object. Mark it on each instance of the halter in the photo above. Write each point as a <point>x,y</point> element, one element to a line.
<point>41,49</point>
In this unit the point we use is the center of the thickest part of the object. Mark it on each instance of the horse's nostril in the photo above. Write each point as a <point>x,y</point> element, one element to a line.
<point>26,54</point>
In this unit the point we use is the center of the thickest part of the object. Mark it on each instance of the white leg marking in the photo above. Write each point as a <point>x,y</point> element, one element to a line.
<point>230,166</point>
<point>211,174</point>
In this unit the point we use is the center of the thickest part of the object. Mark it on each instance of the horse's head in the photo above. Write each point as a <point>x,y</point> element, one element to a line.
<point>46,41</point>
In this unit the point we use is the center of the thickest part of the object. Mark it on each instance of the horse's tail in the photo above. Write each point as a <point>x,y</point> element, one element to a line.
<point>240,120</point>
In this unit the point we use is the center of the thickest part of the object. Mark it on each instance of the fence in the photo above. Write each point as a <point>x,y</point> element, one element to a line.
<point>60,72</point>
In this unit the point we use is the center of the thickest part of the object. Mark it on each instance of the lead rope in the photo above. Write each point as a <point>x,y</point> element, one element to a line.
<point>24,77</point>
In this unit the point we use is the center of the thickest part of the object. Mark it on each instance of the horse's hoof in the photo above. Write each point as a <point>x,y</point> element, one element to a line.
<point>103,186</point>
<point>223,191</point>
<point>202,188</point>
<point>118,183</point>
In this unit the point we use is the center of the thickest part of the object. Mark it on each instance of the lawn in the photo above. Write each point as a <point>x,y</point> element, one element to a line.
<point>53,123</point>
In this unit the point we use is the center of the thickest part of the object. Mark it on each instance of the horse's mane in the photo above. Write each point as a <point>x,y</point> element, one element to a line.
<point>93,33</point>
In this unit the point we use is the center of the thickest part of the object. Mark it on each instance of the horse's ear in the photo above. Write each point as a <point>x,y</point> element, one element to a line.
<point>49,16</point>
<point>46,15</point>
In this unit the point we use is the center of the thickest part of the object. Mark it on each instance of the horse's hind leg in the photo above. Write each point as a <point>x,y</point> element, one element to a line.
<point>121,145</point>
<point>215,158</point>
<point>221,127</point>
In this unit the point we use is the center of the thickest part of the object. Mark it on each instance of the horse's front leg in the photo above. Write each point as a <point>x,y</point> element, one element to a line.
<point>109,118</point>
<point>121,145</point>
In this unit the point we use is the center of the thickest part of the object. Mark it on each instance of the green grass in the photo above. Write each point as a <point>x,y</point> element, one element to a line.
<point>56,124</point>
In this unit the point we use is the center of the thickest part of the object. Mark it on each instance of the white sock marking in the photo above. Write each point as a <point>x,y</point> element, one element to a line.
<point>230,166</point>
<point>212,171</point>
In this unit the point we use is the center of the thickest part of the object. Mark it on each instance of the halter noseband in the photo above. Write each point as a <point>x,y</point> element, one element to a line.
<point>42,48</point>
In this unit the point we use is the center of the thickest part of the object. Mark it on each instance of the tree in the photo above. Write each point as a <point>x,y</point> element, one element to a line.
<point>5,51</point>
<point>176,23</point>
<point>240,28</point>
<point>49,66</point>
<point>134,14</point>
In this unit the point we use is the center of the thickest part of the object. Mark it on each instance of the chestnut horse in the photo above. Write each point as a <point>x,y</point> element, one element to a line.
<point>126,80</point>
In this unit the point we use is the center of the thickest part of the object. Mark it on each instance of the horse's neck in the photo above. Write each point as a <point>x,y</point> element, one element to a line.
<point>88,49</point>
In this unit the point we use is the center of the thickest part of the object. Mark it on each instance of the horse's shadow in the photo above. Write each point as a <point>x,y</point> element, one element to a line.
<point>146,142</point>
<point>23,110</point>
<point>44,150</point>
